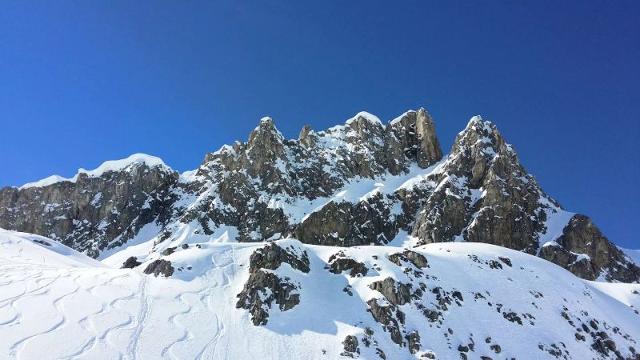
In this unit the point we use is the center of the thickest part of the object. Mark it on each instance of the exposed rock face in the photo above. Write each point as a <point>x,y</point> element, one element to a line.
<point>263,288</point>
<point>270,187</point>
<point>350,344</point>
<point>418,260</point>
<point>93,213</point>
<point>390,317</point>
<point>579,265</point>
<point>339,263</point>
<point>334,224</point>
<point>272,256</point>
<point>412,137</point>
<point>584,251</point>
<point>160,267</point>
<point>484,195</point>
<point>397,293</point>
<point>130,263</point>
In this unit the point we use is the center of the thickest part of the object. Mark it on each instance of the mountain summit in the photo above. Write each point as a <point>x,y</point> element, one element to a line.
<point>360,183</point>
<point>359,241</point>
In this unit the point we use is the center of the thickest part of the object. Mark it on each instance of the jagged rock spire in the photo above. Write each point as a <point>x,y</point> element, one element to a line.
<point>264,147</point>
<point>412,137</point>
<point>429,151</point>
<point>307,136</point>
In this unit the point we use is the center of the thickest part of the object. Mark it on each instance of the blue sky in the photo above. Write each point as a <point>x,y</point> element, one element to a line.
<point>86,81</point>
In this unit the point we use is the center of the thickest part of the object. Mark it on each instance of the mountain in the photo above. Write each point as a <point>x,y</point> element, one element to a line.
<point>360,183</point>
<point>290,300</point>
<point>361,241</point>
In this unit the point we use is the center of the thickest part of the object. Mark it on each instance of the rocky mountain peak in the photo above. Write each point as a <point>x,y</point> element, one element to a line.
<point>363,119</point>
<point>429,151</point>
<point>307,136</point>
<point>265,134</point>
<point>481,137</point>
<point>354,184</point>
<point>264,147</point>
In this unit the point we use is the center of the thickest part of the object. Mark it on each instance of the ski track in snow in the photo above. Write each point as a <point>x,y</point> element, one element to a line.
<point>34,283</point>
<point>142,315</point>
<point>16,347</point>
<point>210,348</point>
<point>63,311</point>
<point>173,319</point>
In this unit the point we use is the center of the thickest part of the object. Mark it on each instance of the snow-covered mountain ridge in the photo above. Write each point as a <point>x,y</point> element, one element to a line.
<point>360,183</point>
<point>290,300</point>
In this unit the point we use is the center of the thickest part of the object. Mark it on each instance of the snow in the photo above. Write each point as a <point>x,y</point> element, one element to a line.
<point>557,220</point>
<point>357,190</point>
<point>140,246</point>
<point>634,255</point>
<point>49,292</point>
<point>111,165</point>
<point>117,165</point>
<point>188,176</point>
<point>399,118</point>
<point>55,303</point>
<point>96,199</point>
<point>477,120</point>
<point>45,182</point>
<point>40,251</point>
<point>367,116</point>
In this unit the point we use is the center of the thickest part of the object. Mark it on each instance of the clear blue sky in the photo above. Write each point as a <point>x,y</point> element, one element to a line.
<point>86,81</point>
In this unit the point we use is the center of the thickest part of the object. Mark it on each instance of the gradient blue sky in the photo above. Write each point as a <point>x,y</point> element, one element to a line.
<point>86,81</point>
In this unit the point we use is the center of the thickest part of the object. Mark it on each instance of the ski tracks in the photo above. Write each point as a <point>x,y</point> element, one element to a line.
<point>18,346</point>
<point>115,307</point>
<point>143,313</point>
<point>208,352</point>
<point>99,337</point>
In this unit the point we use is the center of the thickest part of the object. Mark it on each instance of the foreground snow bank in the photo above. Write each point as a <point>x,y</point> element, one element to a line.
<point>446,299</point>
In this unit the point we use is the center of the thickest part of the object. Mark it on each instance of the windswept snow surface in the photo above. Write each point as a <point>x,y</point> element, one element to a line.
<point>39,250</point>
<point>111,165</point>
<point>58,304</point>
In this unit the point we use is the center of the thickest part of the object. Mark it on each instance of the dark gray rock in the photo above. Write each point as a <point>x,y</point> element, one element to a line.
<point>396,292</point>
<point>350,344</point>
<point>261,290</point>
<point>413,342</point>
<point>92,213</point>
<point>412,138</point>
<point>339,263</point>
<point>391,319</point>
<point>335,224</point>
<point>130,263</point>
<point>484,195</point>
<point>581,267</point>
<point>159,267</point>
<point>418,260</point>
<point>272,256</point>
<point>583,250</point>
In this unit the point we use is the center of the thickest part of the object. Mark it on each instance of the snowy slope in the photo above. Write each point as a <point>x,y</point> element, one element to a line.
<point>486,301</point>
<point>40,251</point>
